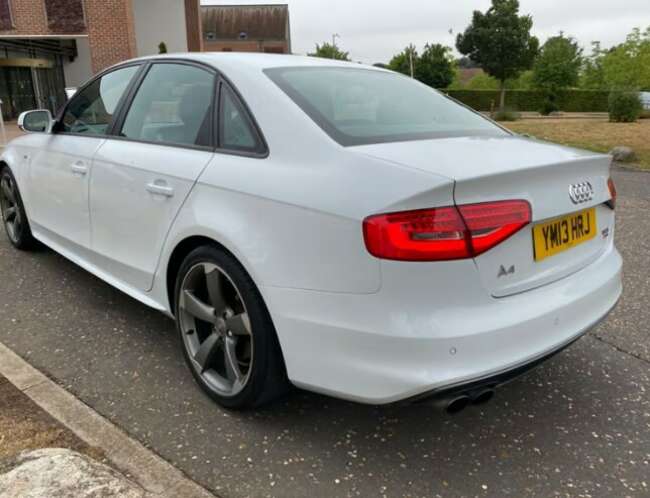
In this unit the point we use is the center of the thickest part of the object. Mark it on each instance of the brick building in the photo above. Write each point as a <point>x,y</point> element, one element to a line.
<point>47,45</point>
<point>246,28</point>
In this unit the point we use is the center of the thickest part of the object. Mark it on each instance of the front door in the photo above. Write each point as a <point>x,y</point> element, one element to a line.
<point>141,179</point>
<point>59,172</point>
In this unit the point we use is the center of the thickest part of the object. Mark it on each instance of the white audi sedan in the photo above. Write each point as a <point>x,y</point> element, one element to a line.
<point>337,227</point>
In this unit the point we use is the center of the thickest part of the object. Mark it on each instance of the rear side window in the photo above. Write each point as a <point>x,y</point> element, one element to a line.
<point>236,130</point>
<point>90,112</point>
<point>173,105</point>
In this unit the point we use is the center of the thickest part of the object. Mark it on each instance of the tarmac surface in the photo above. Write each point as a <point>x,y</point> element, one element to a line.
<point>577,426</point>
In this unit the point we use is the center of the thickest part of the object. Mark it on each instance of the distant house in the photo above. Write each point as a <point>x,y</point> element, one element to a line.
<point>246,28</point>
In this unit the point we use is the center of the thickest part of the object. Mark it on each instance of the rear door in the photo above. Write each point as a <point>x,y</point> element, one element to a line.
<point>60,170</point>
<point>142,175</point>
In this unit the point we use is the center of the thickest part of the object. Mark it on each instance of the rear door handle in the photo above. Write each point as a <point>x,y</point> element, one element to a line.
<point>79,168</point>
<point>160,188</point>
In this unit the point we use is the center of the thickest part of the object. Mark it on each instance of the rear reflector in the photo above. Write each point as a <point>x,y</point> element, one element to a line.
<point>445,233</point>
<point>612,192</point>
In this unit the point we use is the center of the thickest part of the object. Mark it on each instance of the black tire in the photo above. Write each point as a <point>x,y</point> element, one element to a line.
<point>266,372</point>
<point>20,235</point>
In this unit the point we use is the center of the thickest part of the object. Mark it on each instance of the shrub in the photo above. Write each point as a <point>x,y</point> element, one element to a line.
<point>506,115</point>
<point>624,107</point>
<point>645,114</point>
<point>549,106</point>
<point>533,100</point>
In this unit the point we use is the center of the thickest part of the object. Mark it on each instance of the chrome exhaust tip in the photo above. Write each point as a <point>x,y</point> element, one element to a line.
<point>458,404</point>
<point>482,397</point>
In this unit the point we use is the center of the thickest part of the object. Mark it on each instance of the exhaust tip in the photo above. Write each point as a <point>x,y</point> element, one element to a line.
<point>483,397</point>
<point>457,405</point>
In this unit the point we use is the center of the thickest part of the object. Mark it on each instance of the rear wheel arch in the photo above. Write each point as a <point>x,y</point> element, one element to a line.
<point>178,255</point>
<point>182,250</point>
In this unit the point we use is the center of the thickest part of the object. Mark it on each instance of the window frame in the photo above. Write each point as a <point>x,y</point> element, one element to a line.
<point>124,105</point>
<point>133,91</point>
<point>262,149</point>
<point>57,128</point>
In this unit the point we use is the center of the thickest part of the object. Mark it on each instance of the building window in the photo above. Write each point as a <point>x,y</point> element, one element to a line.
<point>5,15</point>
<point>65,16</point>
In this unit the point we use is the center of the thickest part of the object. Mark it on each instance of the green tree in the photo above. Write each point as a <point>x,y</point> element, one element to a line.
<point>593,76</point>
<point>405,62</point>
<point>435,66</point>
<point>627,66</point>
<point>523,82</point>
<point>330,51</point>
<point>483,81</point>
<point>558,65</point>
<point>500,42</point>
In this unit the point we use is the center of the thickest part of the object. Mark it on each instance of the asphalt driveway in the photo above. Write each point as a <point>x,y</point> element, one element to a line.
<point>577,426</point>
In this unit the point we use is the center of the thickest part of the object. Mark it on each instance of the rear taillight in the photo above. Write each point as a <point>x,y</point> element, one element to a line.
<point>612,193</point>
<point>445,233</point>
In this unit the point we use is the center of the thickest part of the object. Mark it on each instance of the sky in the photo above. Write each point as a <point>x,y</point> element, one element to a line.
<point>374,30</point>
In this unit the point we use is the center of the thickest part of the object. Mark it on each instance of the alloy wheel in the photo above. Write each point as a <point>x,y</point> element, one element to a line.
<point>216,329</point>
<point>10,209</point>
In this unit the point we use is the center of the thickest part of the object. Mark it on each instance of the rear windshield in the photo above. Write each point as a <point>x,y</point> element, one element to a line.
<point>362,106</point>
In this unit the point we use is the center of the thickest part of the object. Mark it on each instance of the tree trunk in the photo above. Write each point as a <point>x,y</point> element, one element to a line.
<point>502,102</point>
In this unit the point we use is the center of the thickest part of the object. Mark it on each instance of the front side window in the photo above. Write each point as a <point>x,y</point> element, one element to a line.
<point>363,106</point>
<point>90,112</point>
<point>173,105</point>
<point>235,131</point>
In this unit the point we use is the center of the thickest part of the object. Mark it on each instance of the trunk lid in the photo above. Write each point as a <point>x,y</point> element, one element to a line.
<point>495,169</point>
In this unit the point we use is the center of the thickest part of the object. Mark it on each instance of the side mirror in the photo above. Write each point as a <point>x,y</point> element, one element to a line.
<point>39,121</point>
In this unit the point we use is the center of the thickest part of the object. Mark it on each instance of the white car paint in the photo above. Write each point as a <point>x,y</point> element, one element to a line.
<point>349,324</point>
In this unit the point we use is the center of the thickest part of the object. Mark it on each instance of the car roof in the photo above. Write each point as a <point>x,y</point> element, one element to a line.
<point>260,61</point>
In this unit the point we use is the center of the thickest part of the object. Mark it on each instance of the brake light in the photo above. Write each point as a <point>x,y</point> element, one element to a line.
<point>612,192</point>
<point>446,233</point>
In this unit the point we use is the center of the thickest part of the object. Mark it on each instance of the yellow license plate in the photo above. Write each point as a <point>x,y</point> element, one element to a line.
<point>562,234</point>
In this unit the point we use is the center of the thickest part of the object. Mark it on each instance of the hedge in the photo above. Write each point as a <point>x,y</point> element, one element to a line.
<point>533,100</point>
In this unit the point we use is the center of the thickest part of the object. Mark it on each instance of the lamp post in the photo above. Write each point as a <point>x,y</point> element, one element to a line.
<point>334,37</point>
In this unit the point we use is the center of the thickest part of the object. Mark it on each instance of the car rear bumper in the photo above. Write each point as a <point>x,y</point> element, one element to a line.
<point>429,332</point>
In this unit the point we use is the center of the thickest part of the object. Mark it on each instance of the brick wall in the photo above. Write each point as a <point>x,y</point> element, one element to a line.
<point>29,18</point>
<point>109,25</point>
<point>111,32</point>
<point>193,25</point>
